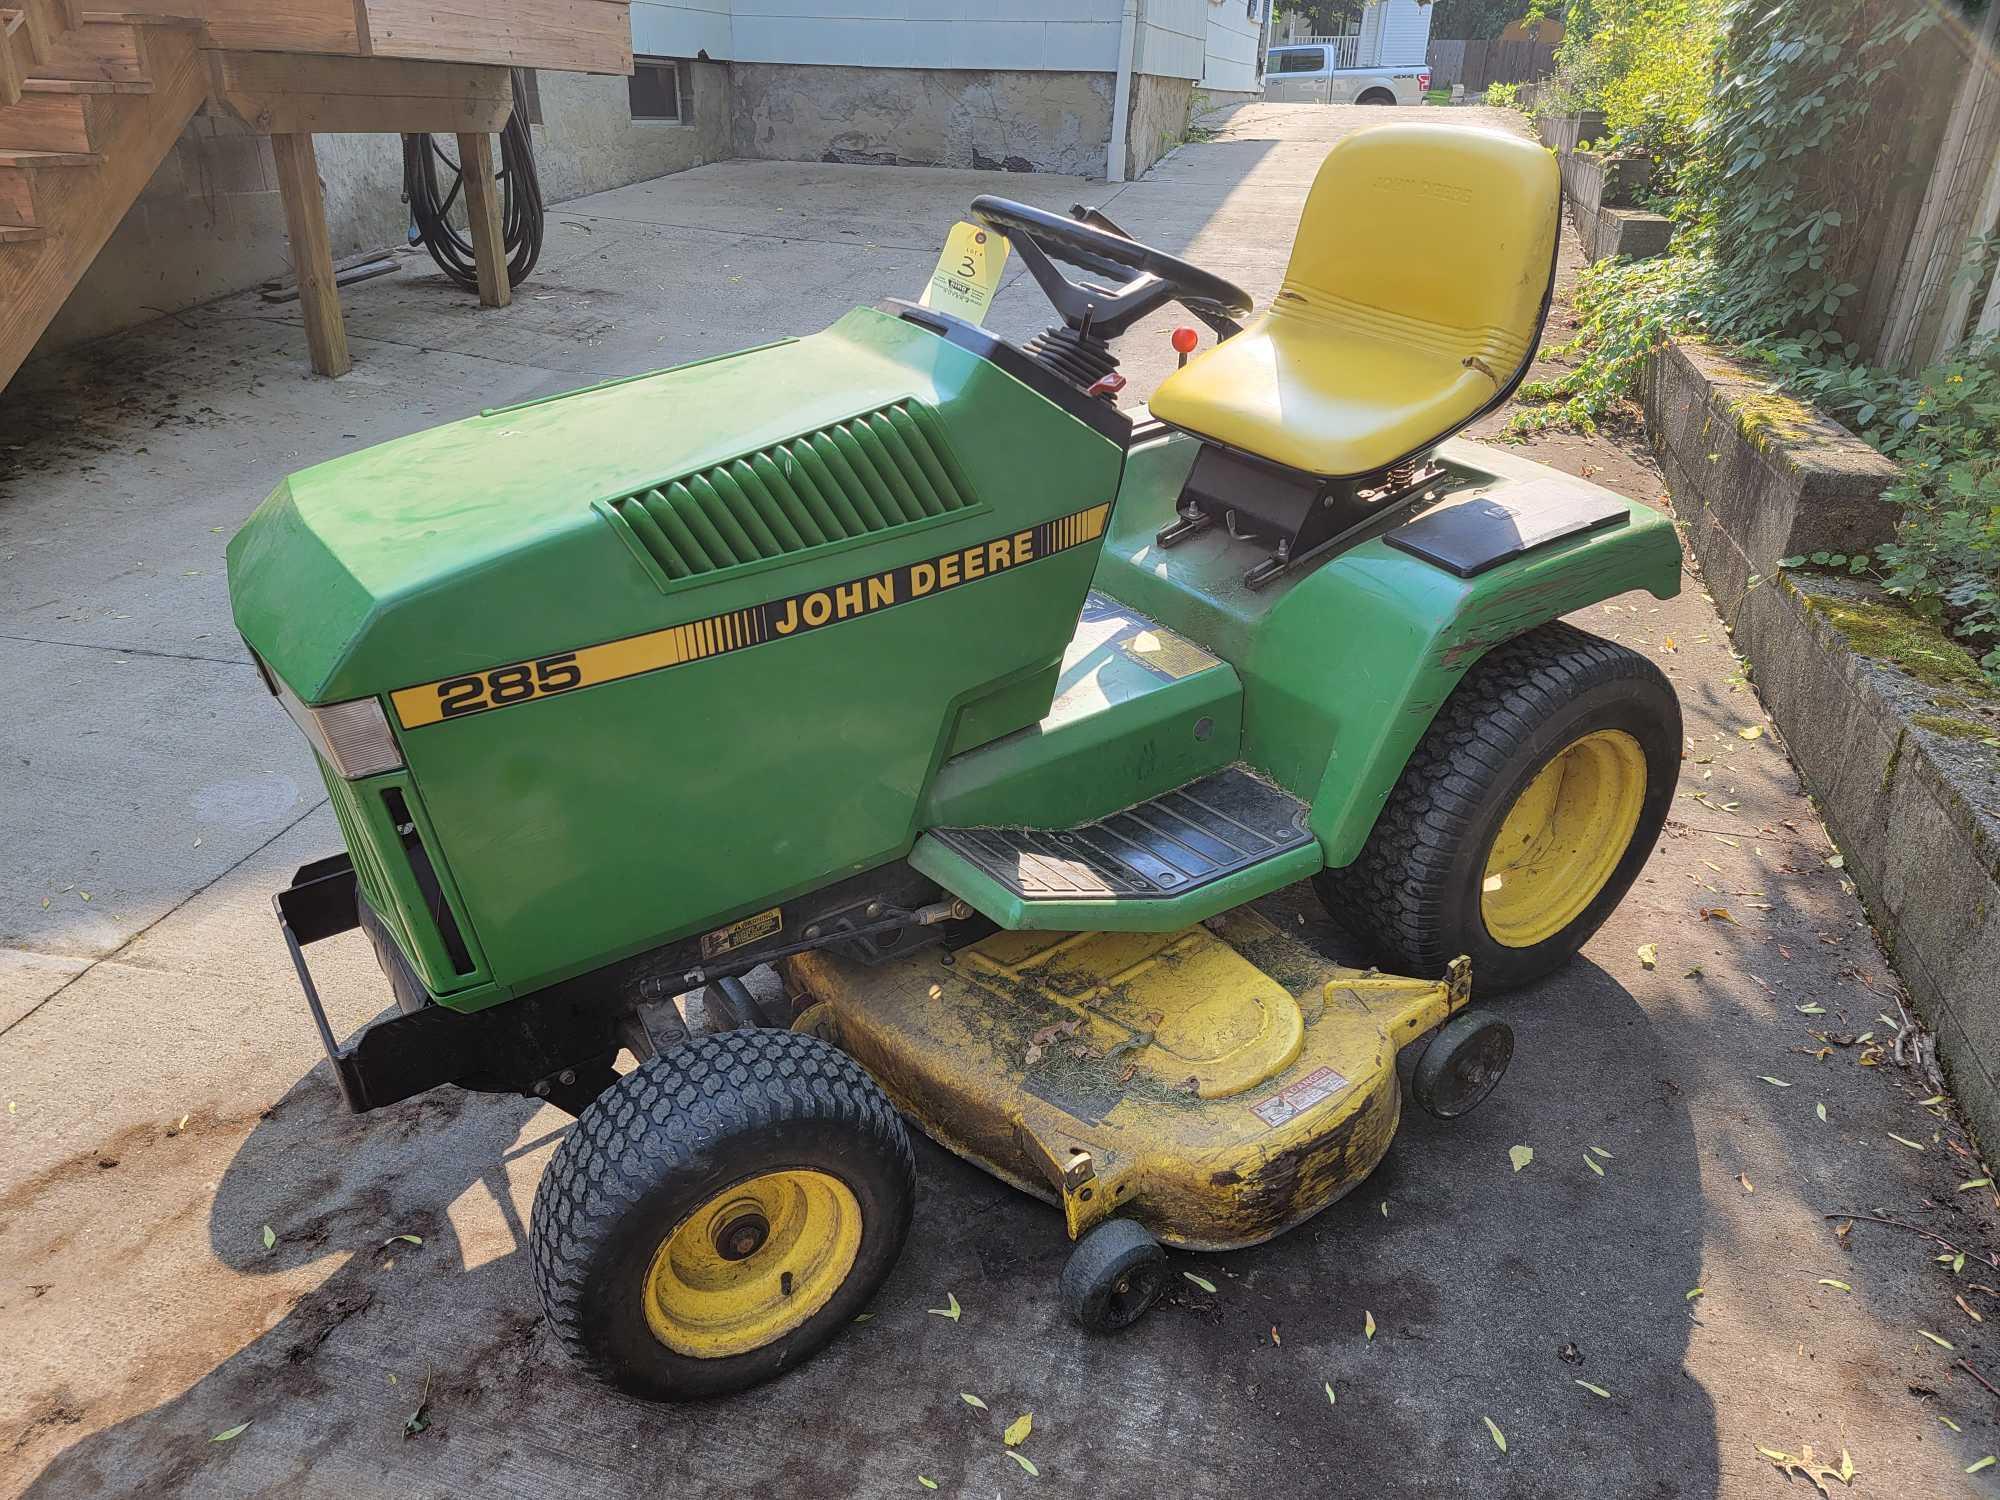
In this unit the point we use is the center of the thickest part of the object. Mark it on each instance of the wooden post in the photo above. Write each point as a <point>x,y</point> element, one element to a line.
<point>312,253</point>
<point>482,211</point>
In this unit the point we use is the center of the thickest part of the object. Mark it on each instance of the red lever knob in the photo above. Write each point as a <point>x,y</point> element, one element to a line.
<point>1184,340</point>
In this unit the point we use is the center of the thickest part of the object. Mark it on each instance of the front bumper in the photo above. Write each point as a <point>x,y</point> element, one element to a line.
<point>522,1046</point>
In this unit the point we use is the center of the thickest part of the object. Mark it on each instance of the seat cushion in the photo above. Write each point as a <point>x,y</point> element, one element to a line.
<point>1415,293</point>
<point>1327,401</point>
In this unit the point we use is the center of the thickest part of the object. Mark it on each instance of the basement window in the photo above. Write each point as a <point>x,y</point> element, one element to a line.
<point>658,89</point>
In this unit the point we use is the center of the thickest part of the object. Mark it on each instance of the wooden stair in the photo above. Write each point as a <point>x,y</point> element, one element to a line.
<point>90,104</point>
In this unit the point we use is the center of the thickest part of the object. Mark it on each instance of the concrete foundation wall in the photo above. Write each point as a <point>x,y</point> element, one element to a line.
<point>1157,122</point>
<point>210,221</point>
<point>1892,748</point>
<point>931,117</point>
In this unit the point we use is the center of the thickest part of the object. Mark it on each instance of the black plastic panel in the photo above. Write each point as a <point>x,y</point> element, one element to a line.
<point>1468,538</point>
<point>1186,838</point>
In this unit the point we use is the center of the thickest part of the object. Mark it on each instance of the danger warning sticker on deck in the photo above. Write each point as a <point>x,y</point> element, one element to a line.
<point>1316,1087</point>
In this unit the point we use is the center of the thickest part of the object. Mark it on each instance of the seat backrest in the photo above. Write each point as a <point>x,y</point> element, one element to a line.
<point>1442,233</point>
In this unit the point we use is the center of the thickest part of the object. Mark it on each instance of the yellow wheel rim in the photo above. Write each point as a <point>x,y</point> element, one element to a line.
<point>1562,838</point>
<point>752,1263</point>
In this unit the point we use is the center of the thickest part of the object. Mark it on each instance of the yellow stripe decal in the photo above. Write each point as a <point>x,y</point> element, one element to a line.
<point>734,630</point>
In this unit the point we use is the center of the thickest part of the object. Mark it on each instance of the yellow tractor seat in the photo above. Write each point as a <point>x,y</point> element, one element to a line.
<point>1413,301</point>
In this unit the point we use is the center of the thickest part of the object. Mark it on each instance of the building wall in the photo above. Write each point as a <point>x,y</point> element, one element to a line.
<point>1020,121</point>
<point>1235,47</point>
<point>1039,35</point>
<point>1173,38</point>
<point>210,222</point>
<point>1157,122</point>
<point>1404,31</point>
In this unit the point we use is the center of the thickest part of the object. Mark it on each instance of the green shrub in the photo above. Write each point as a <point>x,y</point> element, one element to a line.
<point>1504,95</point>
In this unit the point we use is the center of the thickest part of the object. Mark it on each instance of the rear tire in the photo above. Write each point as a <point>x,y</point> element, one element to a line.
<point>1377,96</point>
<point>1436,879</point>
<point>720,1213</point>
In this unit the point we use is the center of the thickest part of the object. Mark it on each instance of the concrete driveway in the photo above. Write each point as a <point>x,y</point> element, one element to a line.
<point>1657,1295</point>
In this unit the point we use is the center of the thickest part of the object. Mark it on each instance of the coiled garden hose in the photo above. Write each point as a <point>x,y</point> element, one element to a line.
<point>521,216</point>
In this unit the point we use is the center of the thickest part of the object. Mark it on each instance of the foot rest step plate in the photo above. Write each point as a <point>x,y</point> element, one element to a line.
<point>1197,833</point>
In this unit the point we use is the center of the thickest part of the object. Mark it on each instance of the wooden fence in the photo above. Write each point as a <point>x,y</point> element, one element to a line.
<point>1476,64</point>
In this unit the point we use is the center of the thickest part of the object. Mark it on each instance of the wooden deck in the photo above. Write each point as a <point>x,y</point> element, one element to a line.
<point>92,100</point>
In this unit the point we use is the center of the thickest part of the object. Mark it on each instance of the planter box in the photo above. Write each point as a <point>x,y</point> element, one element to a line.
<point>1883,716</point>
<point>1608,181</point>
<point>1630,232</point>
<point>1562,133</point>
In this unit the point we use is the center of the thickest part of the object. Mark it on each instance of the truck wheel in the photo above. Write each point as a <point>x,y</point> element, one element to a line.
<point>720,1213</point>
<point>1524,815</point>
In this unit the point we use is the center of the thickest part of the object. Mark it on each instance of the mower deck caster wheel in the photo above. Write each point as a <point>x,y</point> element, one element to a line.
<point>1463,1063</point>
<point>1114,1274</point>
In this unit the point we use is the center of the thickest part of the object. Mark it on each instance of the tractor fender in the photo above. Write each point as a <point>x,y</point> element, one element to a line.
<point>1426,628</point>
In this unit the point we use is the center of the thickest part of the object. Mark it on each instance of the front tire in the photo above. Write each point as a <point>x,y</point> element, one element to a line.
<point>720,1213</point>
<point>1524,815</point>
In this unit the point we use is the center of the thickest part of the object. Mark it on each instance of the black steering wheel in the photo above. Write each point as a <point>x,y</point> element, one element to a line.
<point>1146,278</point>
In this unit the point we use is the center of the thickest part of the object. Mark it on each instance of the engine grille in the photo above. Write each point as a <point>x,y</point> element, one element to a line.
<point>882,469</point>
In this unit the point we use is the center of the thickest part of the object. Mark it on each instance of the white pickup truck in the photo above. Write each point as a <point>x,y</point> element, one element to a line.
<point>1308,73</point>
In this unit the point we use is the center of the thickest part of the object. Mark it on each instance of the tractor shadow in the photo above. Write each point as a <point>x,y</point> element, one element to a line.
<point>1490,1293</point>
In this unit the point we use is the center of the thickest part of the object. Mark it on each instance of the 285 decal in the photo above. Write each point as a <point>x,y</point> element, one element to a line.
<point>511,684</point>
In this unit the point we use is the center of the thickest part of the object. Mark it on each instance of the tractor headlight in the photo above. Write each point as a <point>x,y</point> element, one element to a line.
<point>352,737</point>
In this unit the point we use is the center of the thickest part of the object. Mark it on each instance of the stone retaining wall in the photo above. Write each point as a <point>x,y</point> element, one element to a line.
<point>1885,717</point>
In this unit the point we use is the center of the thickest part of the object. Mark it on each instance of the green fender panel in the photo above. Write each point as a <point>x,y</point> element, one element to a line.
<point>1345,664</point>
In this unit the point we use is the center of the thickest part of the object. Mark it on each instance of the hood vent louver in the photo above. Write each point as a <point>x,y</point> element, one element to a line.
<point>871,473</point>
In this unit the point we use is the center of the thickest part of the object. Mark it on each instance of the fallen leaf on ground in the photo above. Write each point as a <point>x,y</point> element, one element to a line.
<point>1975,1182</point>
<point>1700,1291</point>
<point>1838,1285</point>
<point>1602,1152</point>
<point>1813,1009</point>
<point>950,1310</point>
<point>1984,1463</point>
<point>230,1434</point>
<point>1595,1390</point>
<point>1499,1437</point>
<point>1367,1323</point>
<point>1941,1343</point>
<point>1949,1423</point>
<point>1837,861</point>
<point>1967,1308</point>
<point>1820,1110</point>
<point>1330,1399</point>
<point>926,1481</point>
<point>1744,1178</point>
<point>1201,1281</point>
<point>1815,1473</point>
<point>406,1239</point>
<point>1649,954</point>
<point>1719,914</point>
<point>1018,1430</point>
<point>1024,1461</point>
<point>270,1237</point>
<point>971,1400</point>
<point>420,1419</point>
<point>1520,1156</point>
<point>1591,1162</point>
<point>1905,1140</point>
<point>1750,732</point>
<point>1776,1083</point>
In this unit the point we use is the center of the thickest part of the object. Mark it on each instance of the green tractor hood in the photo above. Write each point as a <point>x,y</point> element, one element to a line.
<point>381,568</point>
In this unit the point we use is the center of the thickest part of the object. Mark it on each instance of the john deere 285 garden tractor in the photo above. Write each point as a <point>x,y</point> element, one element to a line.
<point>903,658</point>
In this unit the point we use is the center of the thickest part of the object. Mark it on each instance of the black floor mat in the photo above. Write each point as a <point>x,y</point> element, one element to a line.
<point>1185,838</point>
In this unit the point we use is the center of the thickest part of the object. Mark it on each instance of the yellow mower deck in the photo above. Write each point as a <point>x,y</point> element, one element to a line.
<point>1219,1084</point>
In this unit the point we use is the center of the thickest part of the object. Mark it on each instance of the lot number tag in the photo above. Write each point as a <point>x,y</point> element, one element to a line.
<point>968,273</point>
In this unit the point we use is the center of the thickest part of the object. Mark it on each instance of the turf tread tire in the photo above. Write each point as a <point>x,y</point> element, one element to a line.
<point>666,1132</point>
<point>1405,894</point>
